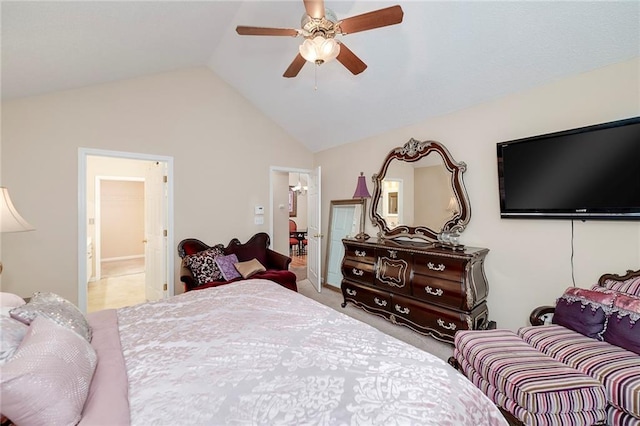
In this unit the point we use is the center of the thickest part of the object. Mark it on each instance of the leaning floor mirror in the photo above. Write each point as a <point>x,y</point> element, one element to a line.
<point>344,222</point>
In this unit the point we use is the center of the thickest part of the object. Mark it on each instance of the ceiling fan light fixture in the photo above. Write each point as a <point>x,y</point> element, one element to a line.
<point>319,50</point>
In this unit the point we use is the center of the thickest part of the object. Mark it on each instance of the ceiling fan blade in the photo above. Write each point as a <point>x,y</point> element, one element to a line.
<point>314,8</point>
<point>295,67</point>
<point>376,19</point>
<point>347,58</point>
<point>262,31</point>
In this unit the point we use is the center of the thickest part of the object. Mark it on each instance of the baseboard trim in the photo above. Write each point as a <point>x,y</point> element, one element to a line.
<point>115,259</point>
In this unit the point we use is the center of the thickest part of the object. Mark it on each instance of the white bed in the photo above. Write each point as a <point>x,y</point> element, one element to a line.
<point>255,353</point>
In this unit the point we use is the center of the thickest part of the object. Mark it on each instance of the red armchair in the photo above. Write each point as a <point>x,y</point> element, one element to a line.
<point>276,264</point>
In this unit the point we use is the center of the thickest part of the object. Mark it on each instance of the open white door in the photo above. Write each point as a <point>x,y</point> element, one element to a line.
<point>155,210</point>
<point>314,237</point>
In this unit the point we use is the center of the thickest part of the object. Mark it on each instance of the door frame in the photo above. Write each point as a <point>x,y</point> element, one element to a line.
<point>83,153</point>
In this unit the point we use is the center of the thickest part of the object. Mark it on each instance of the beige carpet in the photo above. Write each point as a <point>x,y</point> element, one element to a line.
<point>333,299</point>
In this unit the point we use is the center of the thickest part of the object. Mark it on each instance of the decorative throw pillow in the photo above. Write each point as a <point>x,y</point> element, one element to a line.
<point>226,264</point>
<point>630,286</point>
<point>12,333</point>
<point>10,300</point>
<point>56,308</point>
<point>584,311</point>
<point>203,265</point>
<point>249,268</point>
<point>47,379</point>
<point>623,328</point>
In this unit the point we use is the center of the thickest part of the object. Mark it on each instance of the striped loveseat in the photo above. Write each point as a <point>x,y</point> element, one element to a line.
<point>581,367</point>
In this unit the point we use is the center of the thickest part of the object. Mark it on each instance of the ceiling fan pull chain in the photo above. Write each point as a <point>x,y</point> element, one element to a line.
<point>315,77</point>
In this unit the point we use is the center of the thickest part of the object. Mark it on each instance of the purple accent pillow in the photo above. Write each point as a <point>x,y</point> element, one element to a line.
<point>203,265</point>
<point>226,266</point>
<point>584,311</point>
<point>623,328</point>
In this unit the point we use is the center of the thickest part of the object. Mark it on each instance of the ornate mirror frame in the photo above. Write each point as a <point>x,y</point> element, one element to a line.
<point>411,152</point>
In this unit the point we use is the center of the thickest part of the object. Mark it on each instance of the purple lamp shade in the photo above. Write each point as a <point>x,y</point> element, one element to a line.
<point>361,189</point>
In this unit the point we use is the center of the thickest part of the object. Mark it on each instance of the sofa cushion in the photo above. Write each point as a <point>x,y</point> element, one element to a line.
<point>630,286</point>
<point>574,418</point>
<point>536,382</point>
<point>584,311</point>
<point>623,328</point>
<point>616,368</point>
<point>203,265</point>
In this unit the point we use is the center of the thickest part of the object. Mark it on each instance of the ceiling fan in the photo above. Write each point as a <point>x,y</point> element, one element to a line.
<point>319,29</point>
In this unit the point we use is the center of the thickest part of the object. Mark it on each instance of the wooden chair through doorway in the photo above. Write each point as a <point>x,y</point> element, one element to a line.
<point>294,244</point>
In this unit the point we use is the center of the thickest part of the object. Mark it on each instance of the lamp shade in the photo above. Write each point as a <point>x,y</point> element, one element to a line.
<point>319,49</point>
<point>10,219</point>
<point>361,189</point>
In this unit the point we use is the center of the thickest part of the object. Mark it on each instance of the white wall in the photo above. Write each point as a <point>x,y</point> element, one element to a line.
<point>529,261</point>
<point>222,147</point>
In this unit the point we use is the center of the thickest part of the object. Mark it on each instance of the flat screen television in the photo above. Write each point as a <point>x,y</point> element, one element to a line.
<point>586,173</point>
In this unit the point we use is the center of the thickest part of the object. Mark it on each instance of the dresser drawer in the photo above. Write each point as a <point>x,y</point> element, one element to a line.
<point>442,292</point>
<point>366,297</point>
<point>393,271</point>
<point>359,253</point>
<point>439,266</point>
<point>440,322</point>
<point>358,271</point>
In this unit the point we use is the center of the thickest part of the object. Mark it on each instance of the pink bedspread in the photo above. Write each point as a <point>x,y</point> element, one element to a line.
<point>255,353</point>
<point>108,400</point>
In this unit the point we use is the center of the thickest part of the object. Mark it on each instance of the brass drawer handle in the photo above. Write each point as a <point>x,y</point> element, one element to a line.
<point>358,272</point>
<point>433,267</point>
<point>351,292</point>
<point>436,292</point>
<point>380,302</point>
<point>361,253</point>
<point>402,310</point>
<point>451,325</point>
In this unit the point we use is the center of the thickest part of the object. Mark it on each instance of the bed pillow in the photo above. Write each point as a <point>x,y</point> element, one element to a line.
<point>57,309</point>
<point>584,311</point>
<point>623,328</point>
<point>226,264</point>
<point>47,379</point>
<point>249,268</point>
<point>203,265</point>
<point>11,334</point>
<point>10,300</point>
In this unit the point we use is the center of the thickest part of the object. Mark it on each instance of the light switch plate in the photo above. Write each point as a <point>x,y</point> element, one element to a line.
<point>259,220</point>
<point>259,210</point>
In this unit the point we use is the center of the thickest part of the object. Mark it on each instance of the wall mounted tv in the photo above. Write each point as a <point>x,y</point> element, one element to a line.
<point>587,173</point>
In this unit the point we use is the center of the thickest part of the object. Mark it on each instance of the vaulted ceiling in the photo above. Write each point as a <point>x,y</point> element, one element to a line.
<point>443,57</point>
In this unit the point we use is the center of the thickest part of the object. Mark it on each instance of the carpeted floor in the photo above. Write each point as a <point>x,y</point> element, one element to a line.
<point>333,299</point>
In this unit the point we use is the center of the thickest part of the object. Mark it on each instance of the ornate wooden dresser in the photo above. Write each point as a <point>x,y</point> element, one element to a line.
<point>432,290</point>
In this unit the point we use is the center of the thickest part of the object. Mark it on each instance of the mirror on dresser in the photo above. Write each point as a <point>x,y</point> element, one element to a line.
<point>419,193</point>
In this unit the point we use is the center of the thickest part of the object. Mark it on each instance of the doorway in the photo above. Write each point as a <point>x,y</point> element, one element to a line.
<point>295,196</point>
<point>117,236</point>
<point>142,219</point>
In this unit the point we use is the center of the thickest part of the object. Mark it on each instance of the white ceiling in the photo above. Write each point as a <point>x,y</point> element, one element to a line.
<point>443,57</point>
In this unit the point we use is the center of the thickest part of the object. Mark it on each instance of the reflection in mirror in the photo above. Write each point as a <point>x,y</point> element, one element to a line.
<point>344,222</point>
<point>419,193</point>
